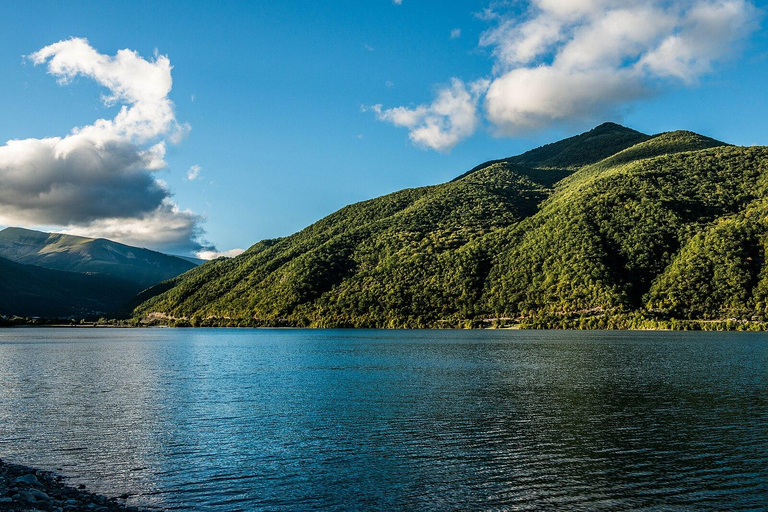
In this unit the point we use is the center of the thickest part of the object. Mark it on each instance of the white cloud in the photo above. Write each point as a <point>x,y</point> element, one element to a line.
<point>100,177</point>
<point>397,2</point>
<point>141,86</point>
<point>209,255</point>
<point>529,99</point>
<point>450,118</point>
<point>165,228</point>
<point>710,29</point>
<point>579,60</point>
<point>194,172</point>
<point>455,33</point>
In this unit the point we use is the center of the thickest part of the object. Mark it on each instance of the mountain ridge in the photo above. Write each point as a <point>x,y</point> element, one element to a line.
<point>73,253</point>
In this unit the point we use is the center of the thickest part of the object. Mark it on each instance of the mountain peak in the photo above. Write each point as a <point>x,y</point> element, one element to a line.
<point>584,149</point>
<point>574,152</point>
<point>608,127</point>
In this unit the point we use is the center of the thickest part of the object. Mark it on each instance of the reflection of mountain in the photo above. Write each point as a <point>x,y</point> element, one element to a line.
<point>610,221</point>
<point>393,420</point>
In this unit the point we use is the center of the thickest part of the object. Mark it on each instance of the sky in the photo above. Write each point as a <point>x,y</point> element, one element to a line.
<point>203,127</point>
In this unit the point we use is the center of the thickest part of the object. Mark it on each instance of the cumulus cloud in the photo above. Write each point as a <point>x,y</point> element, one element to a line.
<point>99,179</point>
<point>558,61</point>
<point>166,227</point>
<point>450,118</point>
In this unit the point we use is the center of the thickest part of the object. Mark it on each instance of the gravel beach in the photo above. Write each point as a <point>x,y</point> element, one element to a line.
<point>25,488</point>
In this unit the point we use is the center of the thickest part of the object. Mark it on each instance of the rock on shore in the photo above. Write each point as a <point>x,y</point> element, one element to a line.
<point>25,488</point>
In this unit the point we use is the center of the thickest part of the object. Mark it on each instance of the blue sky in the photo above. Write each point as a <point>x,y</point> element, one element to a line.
<point>267,101</point>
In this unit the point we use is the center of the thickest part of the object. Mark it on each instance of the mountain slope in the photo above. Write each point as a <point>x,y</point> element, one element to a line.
<point>377,253</point>
<point>28,290</point>
<point>606,224</point>
<point>563,157</point>
<point>90,255</point>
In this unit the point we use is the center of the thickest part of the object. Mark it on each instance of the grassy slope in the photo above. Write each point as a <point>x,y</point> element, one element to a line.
<point>609,221</point>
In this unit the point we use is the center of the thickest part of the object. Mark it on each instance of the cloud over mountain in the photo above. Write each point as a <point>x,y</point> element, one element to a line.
<point>557,61</point>
<point>446,121</point>
<point>99,179</point>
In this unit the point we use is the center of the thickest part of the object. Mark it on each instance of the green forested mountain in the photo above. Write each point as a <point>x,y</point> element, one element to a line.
<point>90,255</point>
<point>29,290</point>
<point>608,228</point>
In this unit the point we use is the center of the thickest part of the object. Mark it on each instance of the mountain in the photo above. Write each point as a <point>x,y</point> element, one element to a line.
<point>611,228</point>
<point>29,290</point>
<point>142,267</point>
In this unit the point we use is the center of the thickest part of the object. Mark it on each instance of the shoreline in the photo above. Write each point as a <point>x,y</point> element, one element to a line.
<point>28,488</point>
<point>659,326</point>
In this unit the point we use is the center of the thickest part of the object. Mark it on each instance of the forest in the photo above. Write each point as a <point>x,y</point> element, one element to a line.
<point>609,229</point>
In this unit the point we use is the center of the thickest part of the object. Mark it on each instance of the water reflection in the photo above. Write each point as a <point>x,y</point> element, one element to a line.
<point>291,420</point>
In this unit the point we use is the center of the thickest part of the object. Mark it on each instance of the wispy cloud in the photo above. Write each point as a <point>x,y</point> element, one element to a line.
<point>560,61</point>
<point>194,172</point>
<point>99,179</point>
<point>209,255</point>
<point>456,33</point>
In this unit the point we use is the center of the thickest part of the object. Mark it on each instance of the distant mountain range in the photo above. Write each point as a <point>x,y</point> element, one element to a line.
<point>57,275</point>
<point>611,228</point>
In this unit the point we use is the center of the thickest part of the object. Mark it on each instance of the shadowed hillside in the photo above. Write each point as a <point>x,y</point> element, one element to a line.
<point>28,290</point>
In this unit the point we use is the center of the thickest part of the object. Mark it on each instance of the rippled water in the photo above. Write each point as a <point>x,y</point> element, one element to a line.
<point>393,420</point>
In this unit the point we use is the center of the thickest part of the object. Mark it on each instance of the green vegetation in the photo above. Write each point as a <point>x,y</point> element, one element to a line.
<point>609,229</point>
<point>31,291</point>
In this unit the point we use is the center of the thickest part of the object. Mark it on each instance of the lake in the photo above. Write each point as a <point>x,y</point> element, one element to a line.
<point>228,419</point>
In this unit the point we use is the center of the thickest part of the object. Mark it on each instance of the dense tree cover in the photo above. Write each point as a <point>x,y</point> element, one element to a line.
<point>609,229</point>
<point>588,148</point>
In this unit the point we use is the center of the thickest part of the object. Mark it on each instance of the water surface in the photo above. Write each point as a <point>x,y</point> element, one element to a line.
<point>199,419</point>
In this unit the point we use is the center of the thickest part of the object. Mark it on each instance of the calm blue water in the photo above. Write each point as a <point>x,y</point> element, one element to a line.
<point>393,420</point>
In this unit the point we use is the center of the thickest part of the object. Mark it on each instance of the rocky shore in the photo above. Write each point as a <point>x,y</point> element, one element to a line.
<point>25,488</point>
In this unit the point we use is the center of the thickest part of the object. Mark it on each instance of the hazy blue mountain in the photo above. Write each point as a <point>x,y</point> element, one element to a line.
<point>56,251</point>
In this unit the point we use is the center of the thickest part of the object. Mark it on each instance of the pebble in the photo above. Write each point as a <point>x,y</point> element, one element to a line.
<point>30,490</point>
<point>29,479</point>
